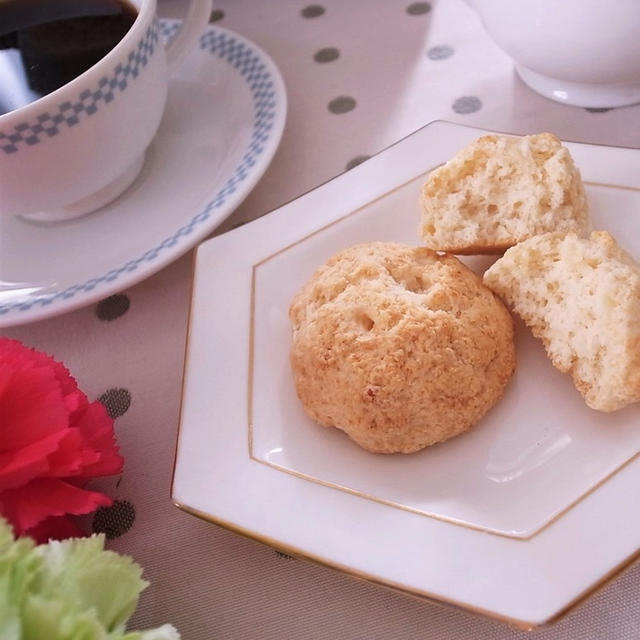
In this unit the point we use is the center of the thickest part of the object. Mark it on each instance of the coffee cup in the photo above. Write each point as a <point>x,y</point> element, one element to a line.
<point>584,53</point>
<point>79,147</point>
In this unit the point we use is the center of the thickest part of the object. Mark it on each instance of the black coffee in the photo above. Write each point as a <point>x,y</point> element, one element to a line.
<point>55,41</point>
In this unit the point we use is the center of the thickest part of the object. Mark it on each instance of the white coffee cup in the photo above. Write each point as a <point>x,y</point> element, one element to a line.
<point>580,52</point>
<point>79,147</point>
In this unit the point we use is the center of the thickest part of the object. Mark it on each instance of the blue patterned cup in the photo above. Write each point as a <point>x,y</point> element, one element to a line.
<point>79,147</point>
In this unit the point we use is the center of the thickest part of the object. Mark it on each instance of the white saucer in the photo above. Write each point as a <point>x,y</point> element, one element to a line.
<point>224,118</point>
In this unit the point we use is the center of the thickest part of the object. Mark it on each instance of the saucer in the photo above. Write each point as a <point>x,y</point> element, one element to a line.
<point>223,121</point>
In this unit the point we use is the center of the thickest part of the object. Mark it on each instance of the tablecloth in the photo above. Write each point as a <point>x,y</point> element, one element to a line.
<point>360,75</point>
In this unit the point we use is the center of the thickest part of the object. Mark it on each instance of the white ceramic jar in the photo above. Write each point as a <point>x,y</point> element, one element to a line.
<point>580,52</point>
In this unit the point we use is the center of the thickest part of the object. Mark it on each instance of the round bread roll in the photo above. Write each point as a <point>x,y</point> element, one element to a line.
<point>398,346</point>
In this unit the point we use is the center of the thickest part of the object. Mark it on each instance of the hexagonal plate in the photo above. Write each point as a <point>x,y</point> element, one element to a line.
<point>552,478</point>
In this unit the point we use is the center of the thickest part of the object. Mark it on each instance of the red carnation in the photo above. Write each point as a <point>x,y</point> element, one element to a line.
<point>52,441</point>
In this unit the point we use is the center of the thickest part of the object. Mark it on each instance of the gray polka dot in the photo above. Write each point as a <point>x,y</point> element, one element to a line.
<point>440,52</point>
<point>312,11</point>
<point>328,54</point>
<point>115,520</point>
<point>116,401</point>
<point>216,15</point>
<point>467,104</point>
<point>112,307</point>
<point>418,8</point>
<point>342,104</point>
<point>597,109</point>
<point>354,162</point>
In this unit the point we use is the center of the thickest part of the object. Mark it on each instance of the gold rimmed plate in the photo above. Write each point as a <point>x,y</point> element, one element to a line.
<point>503,520</point>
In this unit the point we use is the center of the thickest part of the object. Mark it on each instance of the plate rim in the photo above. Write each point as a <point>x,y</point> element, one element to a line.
<point>311,227</point>
<point>235,186</point>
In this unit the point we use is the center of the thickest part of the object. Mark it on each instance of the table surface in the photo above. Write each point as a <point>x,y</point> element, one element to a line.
<point>360,75</point>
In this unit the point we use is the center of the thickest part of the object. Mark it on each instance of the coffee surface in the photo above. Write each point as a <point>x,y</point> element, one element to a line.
<point>54,41</point>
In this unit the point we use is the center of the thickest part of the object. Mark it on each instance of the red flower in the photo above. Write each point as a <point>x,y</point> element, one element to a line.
<point>52,441</point>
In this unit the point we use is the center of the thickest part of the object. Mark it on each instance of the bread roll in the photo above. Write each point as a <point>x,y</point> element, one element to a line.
<point>398,346</point>
<point>581,297</point>
<point>499,191</point>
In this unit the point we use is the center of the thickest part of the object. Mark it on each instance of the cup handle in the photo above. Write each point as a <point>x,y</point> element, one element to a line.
<point>193,24</point>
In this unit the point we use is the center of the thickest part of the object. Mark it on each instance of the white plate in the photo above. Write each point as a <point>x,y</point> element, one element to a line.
<point>224,118</point>
<point>519,518</point>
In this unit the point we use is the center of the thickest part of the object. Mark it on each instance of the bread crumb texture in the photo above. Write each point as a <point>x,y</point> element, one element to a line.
<point>581,296</point>
<point>398,346</point>
<point>499,191</point>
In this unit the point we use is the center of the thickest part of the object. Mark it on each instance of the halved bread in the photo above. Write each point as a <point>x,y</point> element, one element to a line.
<point>501,190</point>
<point>581,296</point>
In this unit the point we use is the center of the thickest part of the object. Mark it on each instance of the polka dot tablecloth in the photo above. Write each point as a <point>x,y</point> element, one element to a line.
<point>360,75</point>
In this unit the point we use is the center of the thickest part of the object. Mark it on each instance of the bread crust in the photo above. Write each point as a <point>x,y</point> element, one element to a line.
<point>477,249</point>
<point>400,347</point>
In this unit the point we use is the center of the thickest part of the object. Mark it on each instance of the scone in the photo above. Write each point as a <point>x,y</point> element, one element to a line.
<point>581,296</point>
<point>398,346</point>
<point>499,191</point>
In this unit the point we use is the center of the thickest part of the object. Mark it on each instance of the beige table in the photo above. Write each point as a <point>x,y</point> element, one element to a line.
<point>360,75</point>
